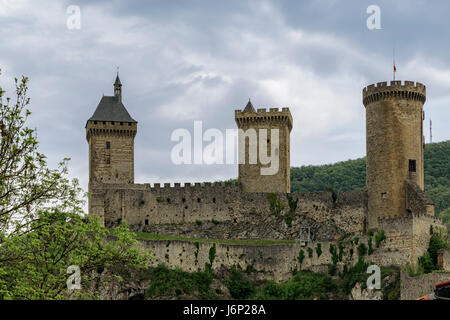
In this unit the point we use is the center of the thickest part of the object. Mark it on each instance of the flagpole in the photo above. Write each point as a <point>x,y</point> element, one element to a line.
<point>393,58</point>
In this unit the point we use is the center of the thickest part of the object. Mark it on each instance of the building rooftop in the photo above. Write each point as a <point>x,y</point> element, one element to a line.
<point>111,108</point>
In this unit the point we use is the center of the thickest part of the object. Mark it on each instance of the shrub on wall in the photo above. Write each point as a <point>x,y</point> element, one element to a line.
<point>310,252</point>
<point>334,256</point>
<point>426,263</point>
<point>380,236</point>
<point>301,257</point>
<point>319,249</point>
<point>362,250</point>
<point>275,204</point>
<point>369,243</point>
<point>341,251</point>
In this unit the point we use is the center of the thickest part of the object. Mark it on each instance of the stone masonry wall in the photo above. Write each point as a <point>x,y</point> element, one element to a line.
<point>413,288</point>
<point>235,214</point>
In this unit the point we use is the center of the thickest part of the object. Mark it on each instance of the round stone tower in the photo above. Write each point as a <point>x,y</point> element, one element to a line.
<point>394,142</point>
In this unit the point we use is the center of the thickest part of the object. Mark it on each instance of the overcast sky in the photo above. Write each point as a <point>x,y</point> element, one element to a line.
<point>182,61</point>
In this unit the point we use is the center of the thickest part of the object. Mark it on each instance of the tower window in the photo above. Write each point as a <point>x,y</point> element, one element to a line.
<point>108,145</point>
<point>412,165</point>
<point>95,122</point>
<point>112,122</point>
<point>108,160</point>
<point>121,123</point>
<point>104,122</point>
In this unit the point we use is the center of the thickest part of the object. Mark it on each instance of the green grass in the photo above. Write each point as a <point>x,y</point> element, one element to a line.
<point>254,242</point>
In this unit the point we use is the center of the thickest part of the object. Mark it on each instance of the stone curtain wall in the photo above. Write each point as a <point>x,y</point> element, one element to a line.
<point>419,286</point>
<point>145,208</point>
<point>274,262</point>
<point>269,262</point>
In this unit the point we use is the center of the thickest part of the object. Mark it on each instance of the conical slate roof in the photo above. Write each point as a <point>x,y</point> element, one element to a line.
<point>117,82</point>
<point>111,109</point>
<point>249,107</point>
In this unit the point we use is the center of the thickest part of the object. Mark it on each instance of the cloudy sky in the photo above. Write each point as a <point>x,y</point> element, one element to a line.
<point>188,60</point>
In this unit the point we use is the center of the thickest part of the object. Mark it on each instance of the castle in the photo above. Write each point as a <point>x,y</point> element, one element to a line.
<point>262,206</point>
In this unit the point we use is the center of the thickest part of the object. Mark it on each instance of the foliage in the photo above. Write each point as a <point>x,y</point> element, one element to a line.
<point>362,250</point>
<point>304,285</point>
<point>292,207</point>
<point>341,251</point>
<point>413,269</point>
<point>319,249</point>
<point>275,204</point>
<point>369,244</point>
<point>391,291</point>
<point>34,265</point>
<point>380,236</point>
<point>426,263</point>
<point>334,255</point>
<point>358,273</point>
<point>27,185</point>
<point>438,243</point>
<point>42,231</point>
<point>212,256</point>
<point>168,282</point>
<point>240,288</point>
<point>310,252</point>
<point>301,257</point>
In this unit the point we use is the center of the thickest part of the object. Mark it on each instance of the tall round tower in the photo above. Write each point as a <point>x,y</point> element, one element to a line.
<point>394,142</point>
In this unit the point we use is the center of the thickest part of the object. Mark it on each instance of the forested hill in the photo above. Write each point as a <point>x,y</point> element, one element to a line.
<point>351,174</point>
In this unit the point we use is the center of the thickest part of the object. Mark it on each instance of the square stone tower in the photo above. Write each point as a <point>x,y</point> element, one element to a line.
<point>264,149</point>
<point>110,134</point>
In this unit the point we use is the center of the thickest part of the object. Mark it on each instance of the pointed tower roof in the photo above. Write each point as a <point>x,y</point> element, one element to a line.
<point>249,107</point>
<point>111,108</point>
<point>117,82</point>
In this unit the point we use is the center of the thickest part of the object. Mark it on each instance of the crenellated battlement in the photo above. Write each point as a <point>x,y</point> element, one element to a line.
<point>204,186</point>
<point>110,128</point>
<point>391,220</point>
<point>264,115</point>
<point>406,90</point>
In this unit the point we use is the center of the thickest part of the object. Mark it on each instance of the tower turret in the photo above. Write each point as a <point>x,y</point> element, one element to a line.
<point>394,142</point>
<point>118,88</point>
<point>110,133</point>
<point>264,149</point>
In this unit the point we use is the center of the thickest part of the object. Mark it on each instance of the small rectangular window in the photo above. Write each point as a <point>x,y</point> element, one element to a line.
<point>412,165</point>
<point>383,195</point>
<point>108,160</point>
<point>146,222</point>
<point>108,145</point>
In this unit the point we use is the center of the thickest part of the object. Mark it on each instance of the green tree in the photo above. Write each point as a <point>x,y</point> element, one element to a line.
<point>42,227</point>
<point>27,185</point>
<point>34,265</point>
